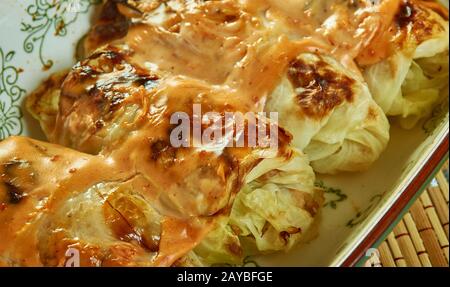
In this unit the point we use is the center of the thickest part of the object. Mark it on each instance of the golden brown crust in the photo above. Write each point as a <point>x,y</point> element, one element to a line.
<point>404,24</point>
<point>111,24</point>
<point>43,102</point>
<point>319,88</point>
<point>412,19</point>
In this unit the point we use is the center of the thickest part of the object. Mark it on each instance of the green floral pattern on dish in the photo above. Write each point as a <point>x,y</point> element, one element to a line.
<point>363,214</point>
<point>51,17</point>
<point>10,94</point>
<point>336,195</point>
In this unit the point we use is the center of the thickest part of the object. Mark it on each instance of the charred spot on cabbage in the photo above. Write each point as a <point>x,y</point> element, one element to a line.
<point>319,89</point>
<point>112,24</point>
<point>413,18</point>
<point>405,14</point>
<point>163,152</point>
<point>15,177</point>
<point>104,79</point>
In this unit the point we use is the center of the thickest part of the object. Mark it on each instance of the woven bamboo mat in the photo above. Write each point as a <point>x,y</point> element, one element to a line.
<point>421,239</point>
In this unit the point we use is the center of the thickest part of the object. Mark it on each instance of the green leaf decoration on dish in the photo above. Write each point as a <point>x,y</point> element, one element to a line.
<point>336,194</point>
<point>363,214</point>
<point>51,17</point>
<point>10,94</point>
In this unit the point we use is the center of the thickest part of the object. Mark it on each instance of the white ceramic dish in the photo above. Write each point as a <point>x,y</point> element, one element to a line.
<point>360,207</point>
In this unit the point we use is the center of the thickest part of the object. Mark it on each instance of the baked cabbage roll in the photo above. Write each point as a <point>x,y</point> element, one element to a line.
<point>289,186</point>
<point>59,207</point>
<point>114,108</point>
<point>275,210</point>
<point>411,81</point>
<point>331,115</point>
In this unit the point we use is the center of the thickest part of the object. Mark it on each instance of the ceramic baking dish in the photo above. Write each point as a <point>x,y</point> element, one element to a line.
<point>360,207</point>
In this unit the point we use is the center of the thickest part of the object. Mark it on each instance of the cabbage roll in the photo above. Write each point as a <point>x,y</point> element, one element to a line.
<point>59,207</point>
<point>331,115</point>
<point>288,220</point>
<point>411,81</point>
<point>275,210</point>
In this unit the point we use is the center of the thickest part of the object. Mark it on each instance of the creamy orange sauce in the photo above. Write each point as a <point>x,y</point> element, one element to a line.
<point>35,233</point>
<point>214,40</point>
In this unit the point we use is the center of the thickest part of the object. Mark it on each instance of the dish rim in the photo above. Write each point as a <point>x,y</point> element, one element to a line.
<point>375,233</point>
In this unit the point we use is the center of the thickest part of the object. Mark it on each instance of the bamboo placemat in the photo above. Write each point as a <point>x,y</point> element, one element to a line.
<point>421,239</point>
